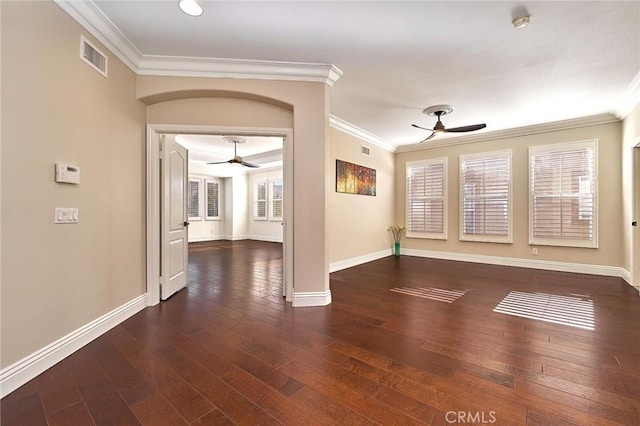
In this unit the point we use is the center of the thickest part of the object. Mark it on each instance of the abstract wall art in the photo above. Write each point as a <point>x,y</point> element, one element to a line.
<point>354,179</point>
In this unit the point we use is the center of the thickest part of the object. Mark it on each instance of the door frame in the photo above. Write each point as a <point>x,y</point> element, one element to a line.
<point>635,216</point>
<point>153,196</point>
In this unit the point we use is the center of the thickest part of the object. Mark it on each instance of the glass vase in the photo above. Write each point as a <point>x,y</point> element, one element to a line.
<point>396,249</point>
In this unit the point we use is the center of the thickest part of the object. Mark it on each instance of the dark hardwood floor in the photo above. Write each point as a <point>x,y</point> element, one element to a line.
<point>229,350</point>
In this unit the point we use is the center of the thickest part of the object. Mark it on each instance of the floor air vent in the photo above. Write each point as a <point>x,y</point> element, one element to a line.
<point>92,56</point>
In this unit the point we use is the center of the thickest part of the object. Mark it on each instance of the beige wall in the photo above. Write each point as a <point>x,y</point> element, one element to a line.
<point>55,108</point>
<point>630,139</point>
<point>610,199</point>
<point>357,224</point>
<point>263,103</point>
<point>219,112</point>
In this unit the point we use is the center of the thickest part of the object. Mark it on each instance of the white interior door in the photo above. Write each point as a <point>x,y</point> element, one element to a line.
<point>175,161</point>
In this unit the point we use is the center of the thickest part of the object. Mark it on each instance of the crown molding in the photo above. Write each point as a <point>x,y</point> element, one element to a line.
<point>515,132</point>
<point>630,98</point>
<point>91,18</point>
<point>178,66</point>
<point>359,133</point>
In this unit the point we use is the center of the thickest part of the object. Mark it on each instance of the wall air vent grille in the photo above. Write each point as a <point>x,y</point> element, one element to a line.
<point>93,56</point>
<point>366,150</point>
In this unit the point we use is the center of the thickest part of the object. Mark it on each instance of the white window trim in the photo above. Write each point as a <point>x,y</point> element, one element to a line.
<point>207,181</point>
<point>508,239</point>
<point>428,235</point>
<point>591,143</point>
<point>273,218</point>
<point>199,181</point>
<point>256,200</point>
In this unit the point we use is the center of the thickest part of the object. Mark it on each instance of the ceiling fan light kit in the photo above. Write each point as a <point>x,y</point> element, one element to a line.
<point>438,111</point>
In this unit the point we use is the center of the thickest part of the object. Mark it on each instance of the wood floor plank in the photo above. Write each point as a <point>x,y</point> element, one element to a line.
<point>106,405</point>
<point>338,413</point>
<point>76,415</point>
<point>22,411</point>
<point>157,410</point>
<point>213,418</point>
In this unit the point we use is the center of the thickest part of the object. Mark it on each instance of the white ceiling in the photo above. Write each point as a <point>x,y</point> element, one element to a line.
<point>576,59</point>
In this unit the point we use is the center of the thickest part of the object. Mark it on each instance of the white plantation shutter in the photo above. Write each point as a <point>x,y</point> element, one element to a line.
<point>260,201</point>
<point>563,194</point>
<point>193,199</point>
<point>213,200</point>
<point>427,199</point>
<point>276,199</point>
<point>485,191</point>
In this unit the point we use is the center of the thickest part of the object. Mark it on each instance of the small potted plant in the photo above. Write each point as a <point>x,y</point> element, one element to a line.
<point>398,232</point>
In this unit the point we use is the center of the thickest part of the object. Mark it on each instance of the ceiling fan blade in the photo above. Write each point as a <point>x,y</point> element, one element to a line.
<point>431,136</point>
<point>470,128</point>
<point>420,127</point>
<point>255,166</point>
<point>221,162</point>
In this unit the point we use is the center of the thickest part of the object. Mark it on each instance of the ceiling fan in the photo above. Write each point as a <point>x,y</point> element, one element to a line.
<point>439,111</point>
<point>236,158</point>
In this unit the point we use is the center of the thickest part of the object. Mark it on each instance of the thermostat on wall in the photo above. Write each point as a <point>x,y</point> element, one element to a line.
<point>67,174</point>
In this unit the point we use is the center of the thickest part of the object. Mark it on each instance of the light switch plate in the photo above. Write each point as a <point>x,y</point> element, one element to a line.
<point>65,215</point>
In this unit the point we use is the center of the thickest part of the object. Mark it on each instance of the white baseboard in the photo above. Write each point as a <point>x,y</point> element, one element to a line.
<point>237,238</point>
<point>311,298</point>
<point>359,260</point>
<point>20,372</point>
<point>205,238</point>
<point>626,275</point>
<point>234,237</point>
<point>265,238</point>
<point>580,268</point>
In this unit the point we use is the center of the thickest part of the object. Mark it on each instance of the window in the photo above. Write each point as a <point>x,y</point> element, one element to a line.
<point>485,197</point>
<point>275,212</point>
<point>260,201</point>
<point>193,199</point>
<point>563,194</point>
<point>213,200</point>
<point>427,199</point>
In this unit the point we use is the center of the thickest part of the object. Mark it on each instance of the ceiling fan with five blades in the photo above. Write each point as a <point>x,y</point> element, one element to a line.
<point>236,158</point>
<point>439,111</point>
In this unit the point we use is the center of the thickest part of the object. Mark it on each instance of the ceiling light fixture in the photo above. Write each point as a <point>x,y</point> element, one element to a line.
<point>191,7</point>
<point>521,22</point>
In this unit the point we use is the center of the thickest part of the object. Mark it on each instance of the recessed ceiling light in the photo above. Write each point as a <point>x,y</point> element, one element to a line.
<point>191,7</point>
<point>521,21</point>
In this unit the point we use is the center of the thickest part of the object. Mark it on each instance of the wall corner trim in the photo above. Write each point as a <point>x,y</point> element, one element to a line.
<point>353,130</point>
<point>20,372</point>
<point>311,298</point>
